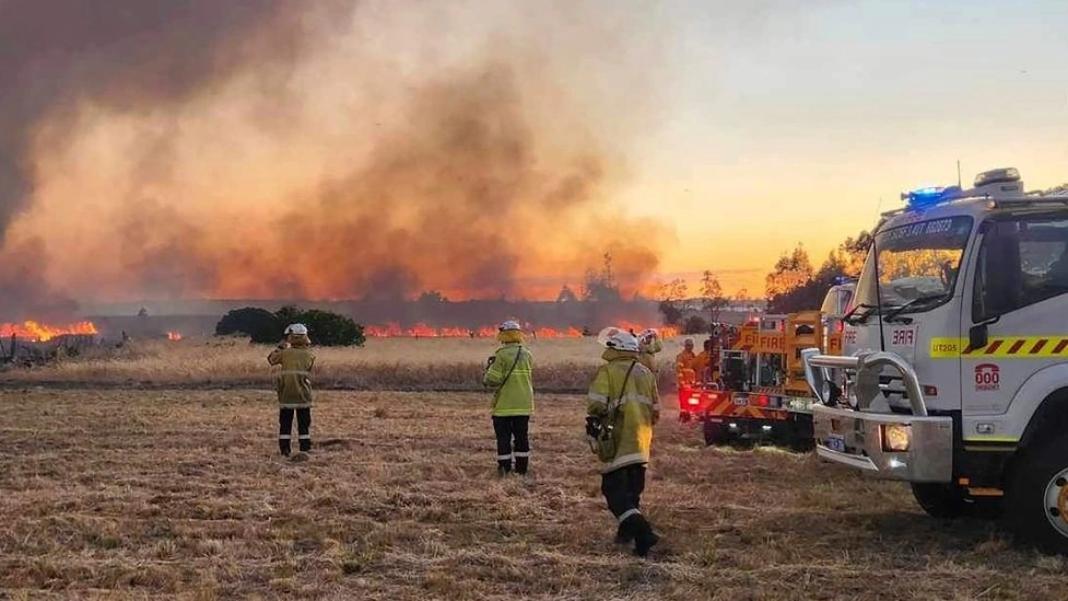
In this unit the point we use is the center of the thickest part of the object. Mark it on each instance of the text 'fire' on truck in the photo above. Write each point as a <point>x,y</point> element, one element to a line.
<point>954,374</point>
<point>754,387</point>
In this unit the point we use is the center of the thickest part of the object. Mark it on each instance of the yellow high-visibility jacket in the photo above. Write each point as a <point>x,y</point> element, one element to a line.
<point>294,379</point>
<point>514,396</point>
<point>639,406</point>
<point>685,359</point>
<point>647,354</point>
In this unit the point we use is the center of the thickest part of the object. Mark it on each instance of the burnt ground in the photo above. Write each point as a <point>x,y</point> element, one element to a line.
<point>179,494</point>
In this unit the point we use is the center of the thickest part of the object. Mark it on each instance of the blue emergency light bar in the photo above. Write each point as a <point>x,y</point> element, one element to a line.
<point>932,195</point>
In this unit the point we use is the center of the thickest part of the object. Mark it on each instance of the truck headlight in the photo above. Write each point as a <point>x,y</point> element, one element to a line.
<point>896,437</point>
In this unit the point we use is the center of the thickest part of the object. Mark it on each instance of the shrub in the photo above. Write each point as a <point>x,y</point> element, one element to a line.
<point>263,327</point>
<point>259,324</point>
<point>331,329</point>
<point>695,325</point>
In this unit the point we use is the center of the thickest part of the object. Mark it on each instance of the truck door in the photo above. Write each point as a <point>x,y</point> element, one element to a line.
<point>1020,279</point>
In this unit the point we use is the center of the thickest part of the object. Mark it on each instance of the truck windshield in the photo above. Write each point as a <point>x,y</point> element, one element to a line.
<point>918,264</point>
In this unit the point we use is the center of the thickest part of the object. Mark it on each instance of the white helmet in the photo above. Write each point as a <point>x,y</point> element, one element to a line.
<point>648,335</point>
<point>618,339</point>
<point>510,325</point>
<point>297,328</point>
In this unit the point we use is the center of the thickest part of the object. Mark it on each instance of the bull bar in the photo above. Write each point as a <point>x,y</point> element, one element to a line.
<point>855,437</point>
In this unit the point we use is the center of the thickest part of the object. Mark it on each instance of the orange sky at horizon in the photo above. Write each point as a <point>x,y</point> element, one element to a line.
<point>692,135</point>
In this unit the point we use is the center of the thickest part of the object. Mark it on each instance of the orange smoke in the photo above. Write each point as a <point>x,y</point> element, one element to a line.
<point>39,332</point>
<point>463,181</point>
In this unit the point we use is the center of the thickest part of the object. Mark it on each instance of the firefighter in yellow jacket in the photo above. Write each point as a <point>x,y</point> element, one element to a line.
<point>649,346</point>
<point>624,405</point>
<point>293,382</point>
<point>510,373</point>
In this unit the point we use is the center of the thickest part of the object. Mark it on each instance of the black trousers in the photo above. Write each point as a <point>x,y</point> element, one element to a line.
<point>622,489</point>
<point>285,428</point>
<point>513,442</point>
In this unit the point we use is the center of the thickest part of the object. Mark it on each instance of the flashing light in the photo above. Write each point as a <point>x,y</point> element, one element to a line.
<point>694,401</point>
<point>766,428</point>
<point>762,400</point>
<point>931,195</point>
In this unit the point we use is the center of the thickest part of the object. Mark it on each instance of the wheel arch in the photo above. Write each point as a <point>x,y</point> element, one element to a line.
<point>1050,416</point>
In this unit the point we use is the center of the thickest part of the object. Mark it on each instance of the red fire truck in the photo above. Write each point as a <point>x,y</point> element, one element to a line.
<point>755,388</point>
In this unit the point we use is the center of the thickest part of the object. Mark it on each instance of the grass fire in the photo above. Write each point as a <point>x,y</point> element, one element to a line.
<point>552,300</point>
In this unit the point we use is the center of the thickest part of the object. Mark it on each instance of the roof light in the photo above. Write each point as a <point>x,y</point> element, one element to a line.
<point>997,176</point>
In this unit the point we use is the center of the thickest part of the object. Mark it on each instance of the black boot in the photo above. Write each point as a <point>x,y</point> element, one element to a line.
<point>284,447</point>
<point>644,537</point>
<point>305,445</point>
<point>521,465</point>
<point>504,468</point>
<point>624,535</point>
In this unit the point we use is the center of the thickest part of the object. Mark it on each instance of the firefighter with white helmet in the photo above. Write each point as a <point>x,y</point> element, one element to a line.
<point>649,345</point>
<point>293,383</point>
<point>623,406</point>
<point>510,373</point>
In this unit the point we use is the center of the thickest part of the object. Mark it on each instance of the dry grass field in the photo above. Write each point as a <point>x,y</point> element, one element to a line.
<point>178,494</point>
<point>383,364</point>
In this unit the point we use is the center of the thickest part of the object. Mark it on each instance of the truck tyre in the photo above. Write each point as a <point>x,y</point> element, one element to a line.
<point>940,500</point>
<point>1037,500</point>
<point>713,433</point>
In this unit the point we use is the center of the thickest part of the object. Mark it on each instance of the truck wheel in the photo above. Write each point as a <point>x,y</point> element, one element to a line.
<point>1037,499</point>
<point>713,433</point>
<point>940,500</point>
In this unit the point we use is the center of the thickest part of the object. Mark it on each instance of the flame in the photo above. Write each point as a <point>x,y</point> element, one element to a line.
<point>39,332</point>
<point>174,336</point>
<point>422,330</point>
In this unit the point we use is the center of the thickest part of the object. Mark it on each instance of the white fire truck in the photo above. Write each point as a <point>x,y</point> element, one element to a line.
<point>954,371</point>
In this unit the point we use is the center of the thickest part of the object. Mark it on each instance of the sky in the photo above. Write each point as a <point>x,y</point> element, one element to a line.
<point>485,147</point>
<point>799,125</point>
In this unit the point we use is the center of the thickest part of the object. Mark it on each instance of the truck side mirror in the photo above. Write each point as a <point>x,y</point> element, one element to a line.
<point>978,336</point>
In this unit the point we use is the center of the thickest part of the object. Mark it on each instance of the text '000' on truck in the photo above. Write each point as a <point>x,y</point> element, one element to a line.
<point>954,367</point>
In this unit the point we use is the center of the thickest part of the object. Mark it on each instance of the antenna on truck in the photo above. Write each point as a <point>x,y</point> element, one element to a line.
<point>878,291</point>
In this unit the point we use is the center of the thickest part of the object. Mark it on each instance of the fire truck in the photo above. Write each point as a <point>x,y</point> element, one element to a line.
<point>755,388</point>
<point>954,372</point>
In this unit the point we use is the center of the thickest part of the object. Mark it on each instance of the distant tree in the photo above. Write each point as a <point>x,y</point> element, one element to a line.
<point>790,271</point>
<point>566,295</point>
<point>713,299</point>
<point>432,297</point>
<point>742,295</point>
<point>844,261</point>
<point>671,296</point>
<point>601,286</point>
<point>695,324</point>
<point>262,326</point>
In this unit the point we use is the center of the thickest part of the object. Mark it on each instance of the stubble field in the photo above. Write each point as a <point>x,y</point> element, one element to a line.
<point>113,493</point>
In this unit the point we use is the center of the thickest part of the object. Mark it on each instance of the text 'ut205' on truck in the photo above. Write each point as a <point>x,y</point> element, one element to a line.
<point>954,374</point>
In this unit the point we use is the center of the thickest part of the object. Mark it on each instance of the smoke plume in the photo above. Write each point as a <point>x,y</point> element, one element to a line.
<point>270,149</point>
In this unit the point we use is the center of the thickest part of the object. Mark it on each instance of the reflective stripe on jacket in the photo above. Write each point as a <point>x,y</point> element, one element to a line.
<point>639,408</point>
<point>514,396</point>
<point>293,381</point>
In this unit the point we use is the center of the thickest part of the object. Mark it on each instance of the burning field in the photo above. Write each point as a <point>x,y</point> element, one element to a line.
<point>177,494</point>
